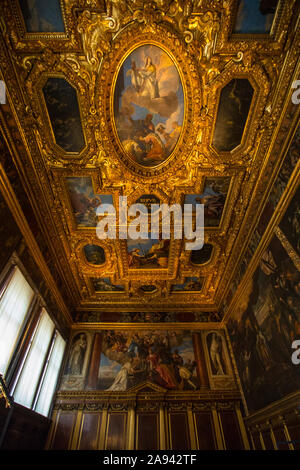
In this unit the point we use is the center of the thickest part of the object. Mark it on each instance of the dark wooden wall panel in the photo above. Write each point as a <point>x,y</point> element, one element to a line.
<point>179,432</point>
<point>27,430</point>
<point>294,431</point>
<point>147,431</point>
<point>268,440</point>
<point>231,430</point>
<point>63,431</point>
<point>205,431</point>
<point>256,441</point>
<point>89,433</point>
<point>116,431</point>
<point>280,439</point>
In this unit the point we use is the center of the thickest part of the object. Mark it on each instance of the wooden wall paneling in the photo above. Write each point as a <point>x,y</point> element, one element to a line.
<point>268,439</point>
<point>218,429</point>
<point>179,431</point>
<point>256,441</point>
<point>231,430</point>
<point>76,431</point>
<point>205,433</point>
<point>147,431</point>
<point>162,428</point>
<point>89,432</point>
<point>281,438</point>
<point>242,428</point>
<point>294,431</point>
<point>102,432</point>
<point>130,439</point>
<point>63,432</point>
<point>116,431</point>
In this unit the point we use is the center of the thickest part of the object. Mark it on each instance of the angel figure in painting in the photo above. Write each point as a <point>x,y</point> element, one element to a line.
<point>144,80</point>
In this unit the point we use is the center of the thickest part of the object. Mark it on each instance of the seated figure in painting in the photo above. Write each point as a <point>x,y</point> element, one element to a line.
<point>120,383</point>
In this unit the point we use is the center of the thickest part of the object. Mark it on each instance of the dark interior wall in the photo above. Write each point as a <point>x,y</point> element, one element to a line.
<point>267,321</point>
<point>27,430</point>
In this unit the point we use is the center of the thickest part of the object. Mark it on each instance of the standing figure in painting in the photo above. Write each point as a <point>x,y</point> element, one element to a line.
<point>77,355</point>
<point>215,354</point>
<point>144,80</point>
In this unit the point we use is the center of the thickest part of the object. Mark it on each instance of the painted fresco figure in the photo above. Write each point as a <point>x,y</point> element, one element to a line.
<point>215,354</point>
<point>186,373</point>
<point>77,355</point>
<point>120,383</point>
<point>144,80</point>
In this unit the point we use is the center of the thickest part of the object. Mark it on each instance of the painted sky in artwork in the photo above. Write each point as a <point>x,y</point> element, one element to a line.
<point>42,15</point>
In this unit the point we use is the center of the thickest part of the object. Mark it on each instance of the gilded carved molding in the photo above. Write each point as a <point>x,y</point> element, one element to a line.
<point>198,37</point>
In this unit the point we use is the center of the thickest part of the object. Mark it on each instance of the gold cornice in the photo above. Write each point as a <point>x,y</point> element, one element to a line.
<point>147,326</point>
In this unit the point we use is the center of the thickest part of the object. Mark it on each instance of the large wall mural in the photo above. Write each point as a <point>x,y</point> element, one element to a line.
<point>117,360</point>
<point>280,185</point>
<point>165,358</point>
<point>264,326</point>
<point>148,105</point>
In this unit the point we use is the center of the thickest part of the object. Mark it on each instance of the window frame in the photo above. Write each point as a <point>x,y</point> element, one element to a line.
<point>27,333</point>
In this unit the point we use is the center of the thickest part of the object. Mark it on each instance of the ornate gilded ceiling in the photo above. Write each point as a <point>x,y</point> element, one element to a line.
<point>162,101</point>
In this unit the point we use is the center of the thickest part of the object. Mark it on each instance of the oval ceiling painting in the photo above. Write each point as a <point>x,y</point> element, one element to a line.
<point>148,105</point>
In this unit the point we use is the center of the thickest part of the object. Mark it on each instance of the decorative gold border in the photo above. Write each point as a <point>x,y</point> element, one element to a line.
<point>118,69</point>
<point>121,49</point>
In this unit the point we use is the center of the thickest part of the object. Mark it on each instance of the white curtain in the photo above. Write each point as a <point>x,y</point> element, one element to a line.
<point>28,379</point>
<point>14,304</point>
<point>50,378</point>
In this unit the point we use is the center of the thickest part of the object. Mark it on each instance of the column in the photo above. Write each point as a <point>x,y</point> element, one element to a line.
<point>92,379</point>
<point>242,429</point>
<point>101,443</point>
<point>272,435</point>
<point>162,428</point>
<point>191,427</point>
<point>286,433</point>
<point>131,428</point>
<point>200,359</point>
<point>217,429</point>
<point>261,438</point>
<point>77,427</point>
